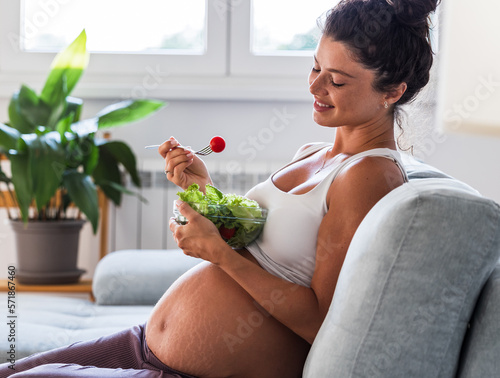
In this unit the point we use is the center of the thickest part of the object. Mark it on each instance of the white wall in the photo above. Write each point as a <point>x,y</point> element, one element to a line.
<point>254,132</point>
<point>470,158</point>
<point>270,131</point>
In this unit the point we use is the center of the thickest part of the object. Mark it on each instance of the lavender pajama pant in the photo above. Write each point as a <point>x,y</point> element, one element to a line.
<point>123,354</point>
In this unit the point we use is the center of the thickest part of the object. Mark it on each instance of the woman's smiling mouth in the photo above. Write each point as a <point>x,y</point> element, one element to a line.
<point>320,107</point>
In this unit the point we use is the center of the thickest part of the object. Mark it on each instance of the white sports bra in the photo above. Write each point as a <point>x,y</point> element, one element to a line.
<point>287,244</point>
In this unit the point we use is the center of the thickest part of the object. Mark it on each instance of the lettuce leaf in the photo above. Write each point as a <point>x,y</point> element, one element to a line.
<point>192,194</point>
<point>228,211</point>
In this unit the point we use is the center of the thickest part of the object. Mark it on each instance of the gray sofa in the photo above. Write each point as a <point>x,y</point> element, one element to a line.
<point>418,295</point>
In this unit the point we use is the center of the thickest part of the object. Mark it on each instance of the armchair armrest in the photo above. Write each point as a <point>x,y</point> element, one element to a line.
<point>138,277</point>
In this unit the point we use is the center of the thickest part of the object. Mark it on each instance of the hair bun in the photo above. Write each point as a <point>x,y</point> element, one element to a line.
<point>413,12</point>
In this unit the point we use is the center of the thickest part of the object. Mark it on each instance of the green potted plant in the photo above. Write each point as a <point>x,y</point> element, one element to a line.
<point>58,164</point>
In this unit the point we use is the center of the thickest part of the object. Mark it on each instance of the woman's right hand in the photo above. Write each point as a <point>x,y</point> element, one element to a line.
<point>183,167</point>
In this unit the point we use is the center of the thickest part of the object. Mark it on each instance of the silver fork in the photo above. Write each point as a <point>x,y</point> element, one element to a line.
<point>203,152</point>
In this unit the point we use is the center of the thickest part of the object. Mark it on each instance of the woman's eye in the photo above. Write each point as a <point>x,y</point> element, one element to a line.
<point>336,84</point>
<point>318,70</point>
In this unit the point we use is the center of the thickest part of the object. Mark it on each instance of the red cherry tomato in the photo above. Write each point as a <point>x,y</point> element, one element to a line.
<point>217,144</point>
<point>226,233</point>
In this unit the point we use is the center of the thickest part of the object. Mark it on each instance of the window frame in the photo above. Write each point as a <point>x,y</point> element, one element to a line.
<point>228,70</point>
<point>159,74</point>
<point>246,63</point>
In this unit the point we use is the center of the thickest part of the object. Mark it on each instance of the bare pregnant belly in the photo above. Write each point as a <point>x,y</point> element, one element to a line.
<point>208,326</point>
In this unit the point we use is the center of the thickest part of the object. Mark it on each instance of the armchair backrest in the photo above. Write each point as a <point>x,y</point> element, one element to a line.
<point>410,282</point>
<point>481,348</point>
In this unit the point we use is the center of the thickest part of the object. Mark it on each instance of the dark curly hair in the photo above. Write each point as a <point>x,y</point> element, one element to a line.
<point>390,37</point>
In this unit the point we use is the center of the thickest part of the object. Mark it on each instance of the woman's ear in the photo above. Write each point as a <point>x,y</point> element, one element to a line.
<point>395,94</point>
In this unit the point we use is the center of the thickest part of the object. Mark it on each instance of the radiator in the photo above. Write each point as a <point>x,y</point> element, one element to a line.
<point>139,225</point>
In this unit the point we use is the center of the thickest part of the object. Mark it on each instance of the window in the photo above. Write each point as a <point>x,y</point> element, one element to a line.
<point>273,38</point>
<point>281,29</point>
<point>31,31</point>
<point>192,49</point>
<point>118,26</point>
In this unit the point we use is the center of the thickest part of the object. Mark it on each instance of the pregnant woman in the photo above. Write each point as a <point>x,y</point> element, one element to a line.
<point>255,312</point>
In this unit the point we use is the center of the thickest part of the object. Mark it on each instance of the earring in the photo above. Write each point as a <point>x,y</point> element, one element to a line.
<point>386,105</point>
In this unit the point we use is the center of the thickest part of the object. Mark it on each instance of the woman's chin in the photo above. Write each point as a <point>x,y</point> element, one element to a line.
<point>324,123</point>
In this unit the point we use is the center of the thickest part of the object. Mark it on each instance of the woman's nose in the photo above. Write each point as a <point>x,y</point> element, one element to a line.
<point>316,86</point>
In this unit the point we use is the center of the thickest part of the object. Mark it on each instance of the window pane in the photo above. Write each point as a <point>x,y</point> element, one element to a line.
<point>115,25</point>
<point>280,25</point>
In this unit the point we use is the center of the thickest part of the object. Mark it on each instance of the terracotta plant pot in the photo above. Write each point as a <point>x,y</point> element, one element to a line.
<point>47,252</point>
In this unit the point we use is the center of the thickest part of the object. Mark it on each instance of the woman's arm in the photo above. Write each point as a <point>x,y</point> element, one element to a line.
<point>354,192</point>
<point>302,309</point>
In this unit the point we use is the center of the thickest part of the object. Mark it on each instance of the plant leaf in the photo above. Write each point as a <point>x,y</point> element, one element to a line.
<point>57,103</point>
<point>83,194</point>
<point>91,157</point>
<point>127,111</point>
<point>16,117</point>
<point>21,178</point>
<point>8,137</point>
<point>122,154</point>
<point>69,64</point>
<point>47,160</point>
<point>124,190</point>
<point>31,108</point>
<point>111,192</point>
<point>107,171</point>
<point>63,127</point>
<point>74,106</point>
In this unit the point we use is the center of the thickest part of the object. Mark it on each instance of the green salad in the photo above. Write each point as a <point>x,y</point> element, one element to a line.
<point>238,218</point>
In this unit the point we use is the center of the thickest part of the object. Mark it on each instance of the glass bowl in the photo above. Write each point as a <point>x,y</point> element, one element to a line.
<point>238,225</point>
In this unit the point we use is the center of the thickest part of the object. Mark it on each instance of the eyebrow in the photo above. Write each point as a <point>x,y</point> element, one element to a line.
<point>335,70</point>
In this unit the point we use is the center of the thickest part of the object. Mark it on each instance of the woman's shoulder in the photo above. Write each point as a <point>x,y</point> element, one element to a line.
<point>369,178</point>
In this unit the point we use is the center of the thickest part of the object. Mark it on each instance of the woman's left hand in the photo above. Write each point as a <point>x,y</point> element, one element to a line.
<point>199,237</point>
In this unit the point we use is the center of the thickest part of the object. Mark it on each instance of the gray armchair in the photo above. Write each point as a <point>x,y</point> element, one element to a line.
<point>418,295</point>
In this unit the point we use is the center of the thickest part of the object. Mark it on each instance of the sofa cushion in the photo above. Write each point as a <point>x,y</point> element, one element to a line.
<point>47,321</point>
<point>482,343</point>
<point>138,277</point>
<point>132,279</point>
<point>417,169</point>
<point>409,283</point>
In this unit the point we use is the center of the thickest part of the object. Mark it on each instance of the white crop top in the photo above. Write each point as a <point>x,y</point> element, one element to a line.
<point>287,244</point>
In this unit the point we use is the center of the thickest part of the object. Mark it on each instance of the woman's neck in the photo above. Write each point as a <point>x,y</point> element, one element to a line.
<point>353,140</point>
